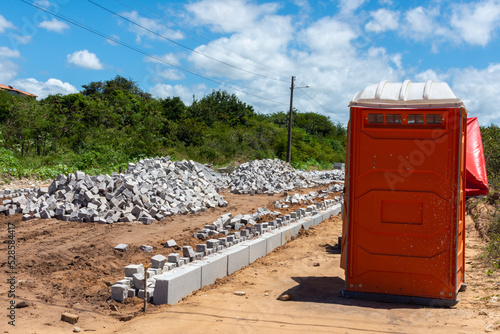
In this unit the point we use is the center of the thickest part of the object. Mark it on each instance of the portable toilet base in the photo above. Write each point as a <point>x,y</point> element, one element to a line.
<point>403,234</point>
<point>385,298</point>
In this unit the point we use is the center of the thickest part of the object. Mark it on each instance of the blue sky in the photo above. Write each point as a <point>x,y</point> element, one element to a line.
<point>252,48</point>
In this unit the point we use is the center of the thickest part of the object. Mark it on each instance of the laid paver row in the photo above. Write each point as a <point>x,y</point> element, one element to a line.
<point>171,278</point>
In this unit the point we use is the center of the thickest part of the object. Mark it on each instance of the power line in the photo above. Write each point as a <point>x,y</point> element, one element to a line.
<point>327,110</point>
<point>242,57</point>
<point>318,103</point>
<point>181,45</point>
<point>62,17</point>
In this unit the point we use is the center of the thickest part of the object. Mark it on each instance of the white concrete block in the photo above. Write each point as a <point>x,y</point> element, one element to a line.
<point>174,285</point>
<point>290,231</point>
<point>212,267</point>
<point>257,249</point>
<point>307,222</point>
<point>327,214</point>
<point>336,209</point>
<point>317,219</point>
<point>237,258</point>
<point>273,240</point>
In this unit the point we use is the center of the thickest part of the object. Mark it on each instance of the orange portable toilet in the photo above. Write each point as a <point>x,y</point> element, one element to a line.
<point>403,233</point>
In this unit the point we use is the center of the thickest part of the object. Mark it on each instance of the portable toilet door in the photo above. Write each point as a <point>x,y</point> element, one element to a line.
<point>404,202</point>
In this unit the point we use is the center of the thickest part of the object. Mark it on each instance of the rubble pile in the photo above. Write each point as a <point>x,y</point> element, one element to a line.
<point>323,176</point>
<point>152,189</point>
<point>149,190</point>
<point>267,177</point>
<point>227,222</point>
<point>334,188</point>
<point>304,198</point>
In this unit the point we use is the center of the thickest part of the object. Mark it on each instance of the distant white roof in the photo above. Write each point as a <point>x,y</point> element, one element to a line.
<point>407,94</point>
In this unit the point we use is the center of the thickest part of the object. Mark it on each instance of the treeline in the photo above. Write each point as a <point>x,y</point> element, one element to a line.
<point>491,146</point>
<point>113,122</point>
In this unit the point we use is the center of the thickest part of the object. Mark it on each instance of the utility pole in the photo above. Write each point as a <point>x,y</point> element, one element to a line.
<point>289,149</point>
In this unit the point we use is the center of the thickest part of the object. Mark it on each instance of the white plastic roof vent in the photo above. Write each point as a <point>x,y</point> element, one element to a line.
<point>407,94</point>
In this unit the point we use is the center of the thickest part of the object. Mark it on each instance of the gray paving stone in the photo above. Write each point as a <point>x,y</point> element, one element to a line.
<point>119,292</point>
<point>122,247</point>
<point>170,243</point>
<point>187,251</point>
<point>174,257</point>
<point>158,261</point>
<point>132,269</point>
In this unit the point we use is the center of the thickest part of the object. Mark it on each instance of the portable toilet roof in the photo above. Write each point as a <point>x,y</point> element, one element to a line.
<point>407,94</point>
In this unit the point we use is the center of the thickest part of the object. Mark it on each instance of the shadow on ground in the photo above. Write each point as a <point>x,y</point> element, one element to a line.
<point>327,290</point>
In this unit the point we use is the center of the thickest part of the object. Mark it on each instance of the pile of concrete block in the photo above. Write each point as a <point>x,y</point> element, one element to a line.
<point>323,176</point>
<point>227,223</point>
<point>267,176</point>
<point>171,278</point>
<point>11,193</point>
<point>300,199</point>
<point>150,190</point>
<point>218,180</point>
<point>336,187</point>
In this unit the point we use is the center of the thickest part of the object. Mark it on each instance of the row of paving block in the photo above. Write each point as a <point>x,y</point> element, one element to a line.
<point>171,278</point>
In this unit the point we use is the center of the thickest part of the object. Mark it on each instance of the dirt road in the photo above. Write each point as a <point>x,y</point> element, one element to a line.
<point>67,267</point>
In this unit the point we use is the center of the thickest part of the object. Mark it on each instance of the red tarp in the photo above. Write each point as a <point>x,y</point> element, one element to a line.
<point>476,178</point>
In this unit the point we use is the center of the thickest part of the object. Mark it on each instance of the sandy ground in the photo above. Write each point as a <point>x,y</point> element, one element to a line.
<point>68,267</point>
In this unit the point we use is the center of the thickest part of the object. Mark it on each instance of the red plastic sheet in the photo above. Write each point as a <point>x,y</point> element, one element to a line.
<point>476,179</point>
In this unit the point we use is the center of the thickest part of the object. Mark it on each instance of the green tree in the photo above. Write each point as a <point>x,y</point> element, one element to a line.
<point>106,88</point>
<point>221,106</point>
<point>491,145</point>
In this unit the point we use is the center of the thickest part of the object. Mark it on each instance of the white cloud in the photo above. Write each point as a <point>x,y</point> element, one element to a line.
<point>229,15</point>
<point>4,24</point>
<point>8,70</point>
<point>160,30</point>
<point>185,93</point>
<point>397,60</point>
<point>264,42</point>
<point>424,25</point>
<point>327,54</point>
<point>85,59</point>
<point>20,39</point>
<point>478,89</point>
<point>328,35</point>
<point>170,74</point>
<point>421,23</point>
<point>158,73</point>
<point>324,55</point>
<point>169,58</point>
<point>8,53</point>
<point>54,25</point>
<point>432,75</point>
<point>350,6</point>
<point>476,22</point>
<point>43,3</point>
<point>383,20</point>
<point>43,89</point>
<point>111,42</point>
